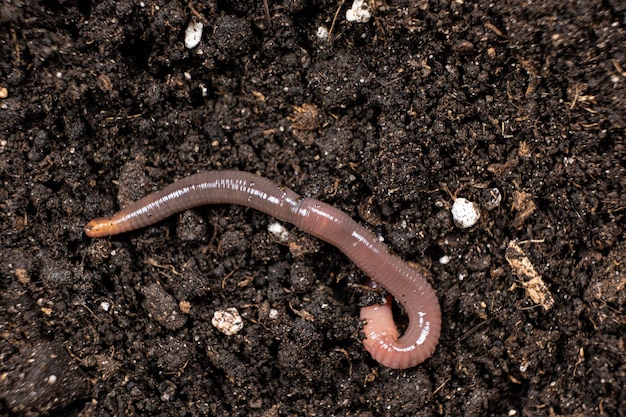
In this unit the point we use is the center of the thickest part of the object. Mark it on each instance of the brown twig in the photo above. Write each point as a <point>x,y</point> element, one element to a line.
<point>332,25</point>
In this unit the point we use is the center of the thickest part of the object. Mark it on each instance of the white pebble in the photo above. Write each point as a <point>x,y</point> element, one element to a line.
<point>444,260</point>
<point>465,213</point>
<point>105,305</point>
<point>227,321</point>
<point>52,379</point>
<point>193,34</point>
<point>279,231</point>
<point>359,12</point>
<point>322,33</point>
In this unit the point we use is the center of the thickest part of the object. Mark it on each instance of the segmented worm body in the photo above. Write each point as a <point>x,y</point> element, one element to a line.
<point>321,220</point>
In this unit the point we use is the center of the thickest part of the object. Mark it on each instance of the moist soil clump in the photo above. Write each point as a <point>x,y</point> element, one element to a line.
<point>518,108</point>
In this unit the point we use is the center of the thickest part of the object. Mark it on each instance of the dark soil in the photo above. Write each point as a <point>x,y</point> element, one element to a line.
<point>517,106</point>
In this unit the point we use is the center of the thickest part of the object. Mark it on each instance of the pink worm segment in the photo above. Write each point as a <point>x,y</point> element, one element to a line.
<point>323,221</point>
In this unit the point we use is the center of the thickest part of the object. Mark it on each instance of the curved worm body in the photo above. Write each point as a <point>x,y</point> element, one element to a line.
<point>321,220</point>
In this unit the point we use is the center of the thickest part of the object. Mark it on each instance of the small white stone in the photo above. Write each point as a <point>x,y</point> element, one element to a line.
<point>273,314</point>
<point>105,305</point>
<point>322,33</point>
<point>193,34</point>
<point>465,213</point>
<point>52,379</point>
<point>444,260</point>
<point>279,231</point>
<point>359,12</point>
<point>227,321</point>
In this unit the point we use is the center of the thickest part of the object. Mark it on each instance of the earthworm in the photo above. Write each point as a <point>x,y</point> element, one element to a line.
<point>323,221</point>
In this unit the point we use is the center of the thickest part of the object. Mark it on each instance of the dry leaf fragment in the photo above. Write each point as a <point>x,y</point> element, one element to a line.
<point>302,313</point>
<point>524,205</point>
<point>536,289</point>
<point>305,117</point>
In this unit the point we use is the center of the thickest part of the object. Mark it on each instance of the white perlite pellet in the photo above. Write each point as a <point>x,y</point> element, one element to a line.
<point>359,12</point>
<point>227,321</point>
<point>279,231</point>
<point>465,213</point>
<point>193,34</point>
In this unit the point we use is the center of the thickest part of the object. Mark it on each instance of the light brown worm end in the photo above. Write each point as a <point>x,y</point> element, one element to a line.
<point>101,227</point>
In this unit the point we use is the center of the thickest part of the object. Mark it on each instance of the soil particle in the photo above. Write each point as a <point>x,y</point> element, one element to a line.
<point>47,380</point>
<point>162,307</point>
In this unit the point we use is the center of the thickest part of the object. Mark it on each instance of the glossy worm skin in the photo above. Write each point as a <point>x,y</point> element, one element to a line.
<point>321,220</point>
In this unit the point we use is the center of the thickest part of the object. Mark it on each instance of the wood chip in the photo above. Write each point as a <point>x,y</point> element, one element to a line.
<point>535,288</point>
